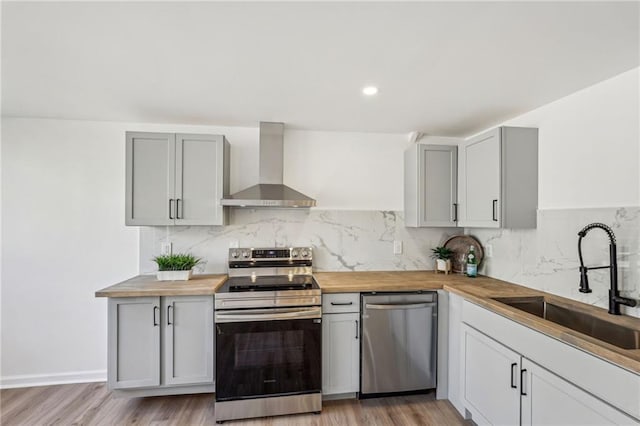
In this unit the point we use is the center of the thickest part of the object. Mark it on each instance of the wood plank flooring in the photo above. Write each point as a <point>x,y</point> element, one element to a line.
<point>93,404</point>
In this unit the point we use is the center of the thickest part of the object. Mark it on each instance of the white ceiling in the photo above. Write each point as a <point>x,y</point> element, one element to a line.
<point>446,68</point>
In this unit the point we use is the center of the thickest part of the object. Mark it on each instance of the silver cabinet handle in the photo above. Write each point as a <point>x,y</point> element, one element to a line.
<point>455,212</point>
<point>268,314</point>
<point>155,309</point>
<point>357,330</point>
<point>390,306</point>
<point>170,208</point>
<point>341,303</point>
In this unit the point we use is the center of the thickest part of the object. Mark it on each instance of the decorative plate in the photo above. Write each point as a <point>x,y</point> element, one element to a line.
<point>459,244</point>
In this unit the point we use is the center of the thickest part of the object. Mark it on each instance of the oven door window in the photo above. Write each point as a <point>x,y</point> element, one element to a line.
<point>267,358</point>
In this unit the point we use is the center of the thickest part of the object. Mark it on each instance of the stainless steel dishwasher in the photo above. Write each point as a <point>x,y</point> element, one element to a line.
<point>399,335</point>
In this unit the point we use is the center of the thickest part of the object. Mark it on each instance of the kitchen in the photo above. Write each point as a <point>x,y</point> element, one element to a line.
<point>65,115</point>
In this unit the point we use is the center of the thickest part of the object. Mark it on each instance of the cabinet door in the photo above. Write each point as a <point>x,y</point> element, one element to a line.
<point>150,177</point>
<point>188,339</point>
<point>491,376</point>
<point>199,179</point>
<point>438,185</point>
<point>454,329</point>
<point>480,185</point>
<point>134,342</point>
<point>550,400</point>
<point>340,353</point>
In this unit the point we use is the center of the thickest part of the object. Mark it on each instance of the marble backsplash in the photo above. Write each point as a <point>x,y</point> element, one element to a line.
<point>546,258</point>
<point>342,240</point>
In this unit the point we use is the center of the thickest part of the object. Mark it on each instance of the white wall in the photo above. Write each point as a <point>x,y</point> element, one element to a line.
<point>589,146</point>
<point>346,171</point>
<point>64,235</point>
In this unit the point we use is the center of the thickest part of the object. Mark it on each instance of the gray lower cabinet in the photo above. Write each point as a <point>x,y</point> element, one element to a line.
<point>175,179</point>
<point>133,342</point>
<point>430,185</point>
<point>498,179</point>
<point>340,343</point>
<point>138,325</point>
<point>188,340</point>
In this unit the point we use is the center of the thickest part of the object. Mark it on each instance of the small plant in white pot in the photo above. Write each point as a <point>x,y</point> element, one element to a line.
<point>175,267</point>
<point>443,256</point>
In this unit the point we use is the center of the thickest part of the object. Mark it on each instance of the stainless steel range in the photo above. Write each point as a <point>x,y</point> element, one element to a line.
<point>269,334</point>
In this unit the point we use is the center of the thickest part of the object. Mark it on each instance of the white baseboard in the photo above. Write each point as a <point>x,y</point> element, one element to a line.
<point>30,380</point>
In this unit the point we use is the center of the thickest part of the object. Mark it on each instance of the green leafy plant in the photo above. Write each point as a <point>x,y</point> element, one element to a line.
<point>443,253</point>
<point>176,262</point>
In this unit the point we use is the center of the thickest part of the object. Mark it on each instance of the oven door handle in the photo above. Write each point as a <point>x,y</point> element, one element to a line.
<point>268,314</point>
<point>393,306</point>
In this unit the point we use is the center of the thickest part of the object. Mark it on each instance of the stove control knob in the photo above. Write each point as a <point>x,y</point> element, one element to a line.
<point>246,254</point>
<point>305,253</point>
<point>294,253</point>
<point>235,254</point>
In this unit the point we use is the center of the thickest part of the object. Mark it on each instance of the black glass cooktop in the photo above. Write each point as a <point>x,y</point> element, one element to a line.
<point>269,283</point>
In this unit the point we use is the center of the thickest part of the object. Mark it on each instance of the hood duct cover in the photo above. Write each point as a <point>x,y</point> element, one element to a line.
<point>270,191</point>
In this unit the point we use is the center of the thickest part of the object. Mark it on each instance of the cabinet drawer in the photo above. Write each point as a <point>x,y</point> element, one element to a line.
<point>340,302</point>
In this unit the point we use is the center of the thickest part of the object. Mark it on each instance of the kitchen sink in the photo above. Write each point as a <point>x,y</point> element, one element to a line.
<point>617,335</point>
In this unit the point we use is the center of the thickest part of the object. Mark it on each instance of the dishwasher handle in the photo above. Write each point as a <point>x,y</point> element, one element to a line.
<point>393,306</point>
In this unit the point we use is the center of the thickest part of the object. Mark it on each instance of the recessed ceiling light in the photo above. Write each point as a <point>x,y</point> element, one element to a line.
<point>370,90</point>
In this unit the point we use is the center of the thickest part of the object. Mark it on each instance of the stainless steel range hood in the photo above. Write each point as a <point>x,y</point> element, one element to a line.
<point>270,191</point>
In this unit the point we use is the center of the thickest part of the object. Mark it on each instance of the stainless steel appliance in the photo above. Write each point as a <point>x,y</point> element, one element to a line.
<point>270,191</point>
<point>399,335</point>
<point>268,335</point>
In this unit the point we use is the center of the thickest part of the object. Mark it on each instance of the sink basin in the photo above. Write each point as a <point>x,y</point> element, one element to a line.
<point>617,335</point>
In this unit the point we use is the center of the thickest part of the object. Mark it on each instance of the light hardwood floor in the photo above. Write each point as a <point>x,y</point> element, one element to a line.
<point>93,404</point>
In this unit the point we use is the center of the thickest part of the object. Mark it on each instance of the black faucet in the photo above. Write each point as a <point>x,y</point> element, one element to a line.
<point>615,300</point>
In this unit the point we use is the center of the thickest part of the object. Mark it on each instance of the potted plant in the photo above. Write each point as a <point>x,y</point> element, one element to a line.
<point>443,256</point>
<point>175,267</point>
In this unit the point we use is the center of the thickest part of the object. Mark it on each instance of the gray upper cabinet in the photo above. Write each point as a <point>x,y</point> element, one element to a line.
<point>430,185</point>
<point>150,178</point>
<point>202,179</point>
<point>176,179</point>
<point>498,185</point>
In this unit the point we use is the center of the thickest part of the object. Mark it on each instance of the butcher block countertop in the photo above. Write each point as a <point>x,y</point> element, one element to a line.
<point>147,285</point>
<point>354,282</point>
<point>481,291</point>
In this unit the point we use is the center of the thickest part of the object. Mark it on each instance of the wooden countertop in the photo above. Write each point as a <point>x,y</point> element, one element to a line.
<point>348,282</point>
<point>482,290</point>
<point>147,285</point>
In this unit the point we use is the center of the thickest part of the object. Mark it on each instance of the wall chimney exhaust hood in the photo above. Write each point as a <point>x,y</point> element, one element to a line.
<point>270,191</point>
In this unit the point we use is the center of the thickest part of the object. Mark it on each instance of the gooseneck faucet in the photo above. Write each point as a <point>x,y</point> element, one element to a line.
<point>615,300</point>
